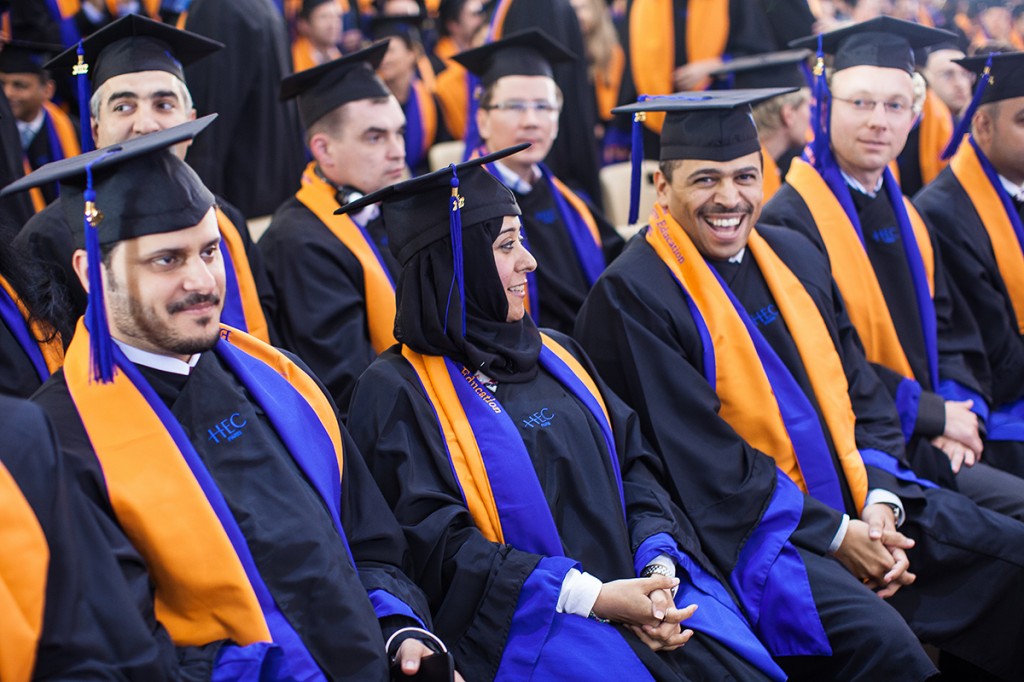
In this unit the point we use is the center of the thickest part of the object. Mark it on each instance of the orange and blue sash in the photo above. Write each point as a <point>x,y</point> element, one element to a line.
<point>242,308</point>
<point>378,287</point>
<point>499,484</point>
<point>420,123</point>
<point>46,356</point>
<point>207,584</point>
<point>24,562</point>
<point>999,217</point>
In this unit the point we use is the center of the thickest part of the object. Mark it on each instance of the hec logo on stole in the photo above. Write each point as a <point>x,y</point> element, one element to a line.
<point>541,418</point>
<point>766,315</point>
<point>885,235</point>
<point>227,429</point>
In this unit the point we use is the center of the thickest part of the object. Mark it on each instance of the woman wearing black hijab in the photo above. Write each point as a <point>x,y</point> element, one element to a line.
<point>528,498</point>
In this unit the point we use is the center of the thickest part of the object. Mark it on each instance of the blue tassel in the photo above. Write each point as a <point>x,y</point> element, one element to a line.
<point>964,125</point>
<point>636,155</point>
<point>81,73</point>
<point>101,350</point>
<point>455,231</point>
<point>819,108</point>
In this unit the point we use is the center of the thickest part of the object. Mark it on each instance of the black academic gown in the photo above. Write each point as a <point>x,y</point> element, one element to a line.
<point>320,311</point>
<point>255,153</point>
<point>40,153</point>
<point>18,376</point>
<point>473,584</point>
<point>293,541</point>
<point>49,241</point>
<point>92,628</point>
<point>637,326</point>
<point>971,262</point>
<point>561,283</point>
<point>16,208</point>
<point>959,344</point>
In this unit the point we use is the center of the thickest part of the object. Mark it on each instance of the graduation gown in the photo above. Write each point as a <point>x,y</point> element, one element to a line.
<point>16,208</point>
<point>960,355</point>
<point>474,584</point>
<point>49,241</point>
<point>321,309</point>
<point>286,525</point>
<point>56,140</point>
<point>87,625</point>
<point>256,151</point>
<point>637,326</point>
<point>561,284</point>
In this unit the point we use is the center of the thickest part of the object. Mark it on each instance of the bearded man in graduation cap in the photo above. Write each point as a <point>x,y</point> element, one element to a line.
<point>135,71</point>
<point>917,332</point>
<point>269,552</point>
<point>975,206</point>
<point>733,345</point>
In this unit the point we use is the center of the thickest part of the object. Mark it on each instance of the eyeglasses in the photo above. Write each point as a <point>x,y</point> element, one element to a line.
<point>866,106</point>
<point>521,106</point>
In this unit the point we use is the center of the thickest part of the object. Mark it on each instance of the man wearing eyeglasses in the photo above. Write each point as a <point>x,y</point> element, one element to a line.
<point>520,102</point>
<point>916,331</point>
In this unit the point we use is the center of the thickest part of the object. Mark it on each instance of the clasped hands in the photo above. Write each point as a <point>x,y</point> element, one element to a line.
<point>875,552</point>
<point>646,607</point>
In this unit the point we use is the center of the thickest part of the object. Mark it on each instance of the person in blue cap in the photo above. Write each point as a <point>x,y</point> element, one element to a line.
<point>246,513</point>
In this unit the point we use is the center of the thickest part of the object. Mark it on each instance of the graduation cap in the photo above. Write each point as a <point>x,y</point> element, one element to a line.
<point>309,5</point>
<point>525,53</point>
<point>23,56</point>
<point>716,125</point>
<point>134,43</point>
<point>883,41</point>
<point>324,88</point>
<point>1000,76</point>
<point>769,70</point>
<point>422,210</point>
<point>124,191</point>
<point>921,55</point>
<point>404,26</point>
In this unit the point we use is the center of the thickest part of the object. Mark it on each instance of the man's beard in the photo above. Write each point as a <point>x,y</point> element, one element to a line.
<point>159,334</point>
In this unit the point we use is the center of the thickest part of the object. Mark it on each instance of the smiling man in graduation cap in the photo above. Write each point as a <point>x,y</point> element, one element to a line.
<point>730,340</point>
<point>333,275</point>
<point>976,208</point>
<point>222,459</point>
<point>917,332</point>
<point>520,102</point>
<point>135,69</point>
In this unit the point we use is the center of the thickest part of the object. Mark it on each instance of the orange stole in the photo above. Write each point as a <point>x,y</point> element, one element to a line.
<point>202,591</point>
<point>453,97</point>
<point>771,174</point>
<point>35,194</point>
<point>302,54</point>
<point>428,113</point>
<point>53,349</point>
<point>985,198</point>
<point>65,130</point>
<point>852,268</point>
<point>24,563</point>
<point>497,28</point>
<point>607,83</point>
<point>652,43</point>
<point>748,402</point>
<point>318,197</point>
<point>935,129</point>
<point>255,320</point>
<point>460,439</point>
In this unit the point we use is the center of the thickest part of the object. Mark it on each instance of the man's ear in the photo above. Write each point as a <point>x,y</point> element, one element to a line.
<point>80,262</point>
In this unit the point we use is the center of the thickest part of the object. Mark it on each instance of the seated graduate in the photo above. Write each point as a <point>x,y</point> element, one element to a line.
<point>529,500</point>
<point>267,548</point>
<point>67,610</point>
<point>733,346</point>
<point>977,209</point>
<point>519,101</point>
<point>135,68</point>
<point>917,332</point>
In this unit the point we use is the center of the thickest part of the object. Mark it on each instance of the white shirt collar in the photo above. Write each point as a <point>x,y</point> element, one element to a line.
<point>855,184</point>
<point>34,125</point>
<point>164,363</point>
<point>1015,191</point>
<point>513,181</point>
<point>738,258</point>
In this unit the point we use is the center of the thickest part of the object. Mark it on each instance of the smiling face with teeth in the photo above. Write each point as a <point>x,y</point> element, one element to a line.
<point>513,261</point>
<point>717,203</point>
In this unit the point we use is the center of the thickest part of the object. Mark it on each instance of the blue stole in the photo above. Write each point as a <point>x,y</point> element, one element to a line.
<point>69,34</point>
<point>414,132</point>
<point>299,428</point>
<point>543,644</point>
<point>12,317</point>
<point>232,314</point>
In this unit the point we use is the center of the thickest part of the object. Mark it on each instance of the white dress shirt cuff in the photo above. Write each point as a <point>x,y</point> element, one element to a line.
<point>579,593</point>
<point>840,535</point>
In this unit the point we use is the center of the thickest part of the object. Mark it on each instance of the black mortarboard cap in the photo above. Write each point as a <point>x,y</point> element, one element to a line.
<point>310,5</point>
<point>141,187</point>
<point>768,70</point>
<point>526,53</point>
<point>134,43</point>
<point>883,41</point>
<point>921,54</point>
<point>416,212</point>
<point>1005,78</point>
<point>405,26</point>
<point>22,56</point>
<point>324,88</point>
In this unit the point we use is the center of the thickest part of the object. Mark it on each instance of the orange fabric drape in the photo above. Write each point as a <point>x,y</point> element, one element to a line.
<point>936,127</point>
<point>608,82</point>
<point>255,320</point>
<point>53,349</point>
